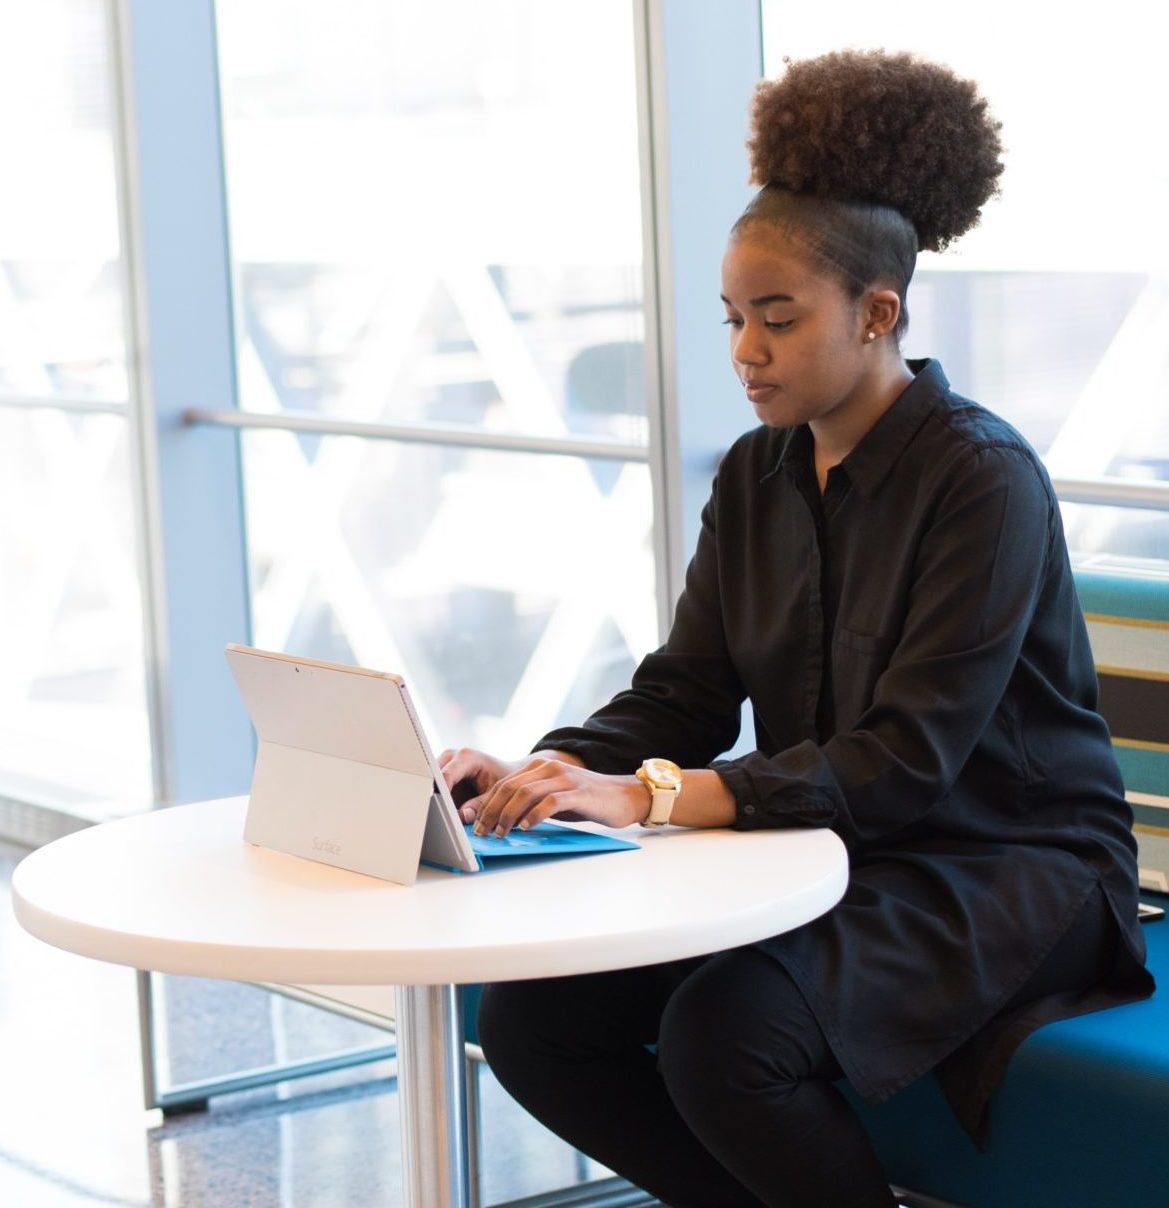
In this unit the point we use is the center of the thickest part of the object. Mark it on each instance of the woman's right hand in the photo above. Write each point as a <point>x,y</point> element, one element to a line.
<point>470,773</point>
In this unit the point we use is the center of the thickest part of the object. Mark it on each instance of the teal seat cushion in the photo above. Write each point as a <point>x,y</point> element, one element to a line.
<point>1142,596</point>
<point>1081,1119</point>
<point>470,996</point>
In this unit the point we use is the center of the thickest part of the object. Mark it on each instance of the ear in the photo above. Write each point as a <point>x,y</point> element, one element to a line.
<point>879,312</point>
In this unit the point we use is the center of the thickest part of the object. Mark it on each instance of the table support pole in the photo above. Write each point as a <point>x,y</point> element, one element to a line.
<point>432,1096</point>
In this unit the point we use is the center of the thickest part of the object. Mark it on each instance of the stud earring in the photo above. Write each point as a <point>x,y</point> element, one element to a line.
<point>870,336</point>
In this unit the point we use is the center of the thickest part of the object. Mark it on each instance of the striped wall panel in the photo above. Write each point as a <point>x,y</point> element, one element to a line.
<point>1128,626</point>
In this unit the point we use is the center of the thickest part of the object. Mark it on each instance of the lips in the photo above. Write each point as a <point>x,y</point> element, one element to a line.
<point>757,391</point>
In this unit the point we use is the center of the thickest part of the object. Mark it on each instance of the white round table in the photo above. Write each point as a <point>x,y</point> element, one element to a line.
<point>179,891</point>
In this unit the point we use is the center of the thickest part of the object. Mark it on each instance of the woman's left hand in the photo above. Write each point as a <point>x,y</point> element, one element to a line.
<point>548,787</point>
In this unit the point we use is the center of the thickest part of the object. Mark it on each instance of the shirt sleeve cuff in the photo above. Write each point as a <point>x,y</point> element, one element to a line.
<point>766,801</point>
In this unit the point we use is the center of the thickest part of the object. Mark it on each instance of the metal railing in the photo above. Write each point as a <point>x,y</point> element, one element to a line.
<point>429,434</point>
<point>1114,492</point>
<point>1102,492</point>
<point>65,402</point>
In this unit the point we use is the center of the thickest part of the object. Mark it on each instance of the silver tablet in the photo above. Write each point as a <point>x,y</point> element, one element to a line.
<point>344,773</point>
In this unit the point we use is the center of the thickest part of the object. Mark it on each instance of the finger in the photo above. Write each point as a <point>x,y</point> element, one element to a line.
<point>532,802</point>
<point>448,765</point>
<point>557,804</point>
<point>495,800</point>
<point>461,764</point>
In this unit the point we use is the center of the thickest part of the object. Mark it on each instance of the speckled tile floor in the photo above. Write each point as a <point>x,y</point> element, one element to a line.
<point>73,1132</point>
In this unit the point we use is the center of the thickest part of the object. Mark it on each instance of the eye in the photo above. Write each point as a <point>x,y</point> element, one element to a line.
<point>731,321</point>
<point>778,325</point>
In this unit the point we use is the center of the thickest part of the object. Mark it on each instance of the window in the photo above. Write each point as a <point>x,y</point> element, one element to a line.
<point>73,725</point>
<point>435,225</point>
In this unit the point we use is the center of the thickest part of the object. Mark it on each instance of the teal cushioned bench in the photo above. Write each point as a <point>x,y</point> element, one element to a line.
<point>1081,1119</point>
<point>470,996</point>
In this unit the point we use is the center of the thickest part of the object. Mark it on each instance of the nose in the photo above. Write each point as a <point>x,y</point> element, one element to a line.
<point>747,345</point>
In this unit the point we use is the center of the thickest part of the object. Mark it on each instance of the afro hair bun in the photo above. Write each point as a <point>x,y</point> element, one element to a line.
<point>888,129</point>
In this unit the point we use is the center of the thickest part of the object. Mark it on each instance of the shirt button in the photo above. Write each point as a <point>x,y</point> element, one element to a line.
<point>748,809</point>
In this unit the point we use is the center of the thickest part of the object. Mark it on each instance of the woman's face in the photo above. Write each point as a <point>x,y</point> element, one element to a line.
<point>797,339</point>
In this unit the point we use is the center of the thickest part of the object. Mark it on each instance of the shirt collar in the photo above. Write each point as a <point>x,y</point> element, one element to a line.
<point>870,462</point>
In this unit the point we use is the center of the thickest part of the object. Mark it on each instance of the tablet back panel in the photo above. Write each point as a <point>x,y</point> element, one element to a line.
<point>342,711</point>
<point>341,773</point>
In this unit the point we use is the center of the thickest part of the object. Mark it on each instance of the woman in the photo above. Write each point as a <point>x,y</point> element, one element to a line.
<point>882,572</point>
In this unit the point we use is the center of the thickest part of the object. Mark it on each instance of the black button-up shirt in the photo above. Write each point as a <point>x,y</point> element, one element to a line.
<point>921,682</point>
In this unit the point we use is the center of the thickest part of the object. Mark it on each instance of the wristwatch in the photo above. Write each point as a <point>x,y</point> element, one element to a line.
<point>663,778</point>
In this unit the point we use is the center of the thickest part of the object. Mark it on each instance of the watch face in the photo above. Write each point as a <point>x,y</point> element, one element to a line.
<point>663,772</point>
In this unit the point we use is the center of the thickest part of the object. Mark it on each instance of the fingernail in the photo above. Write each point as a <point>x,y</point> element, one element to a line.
<point>479,829</point>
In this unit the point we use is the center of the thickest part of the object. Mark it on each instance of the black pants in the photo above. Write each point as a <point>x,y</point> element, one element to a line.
<point>737,1107</point>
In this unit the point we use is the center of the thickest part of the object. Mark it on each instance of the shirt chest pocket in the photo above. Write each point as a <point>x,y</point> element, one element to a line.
<point>858,660</point>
